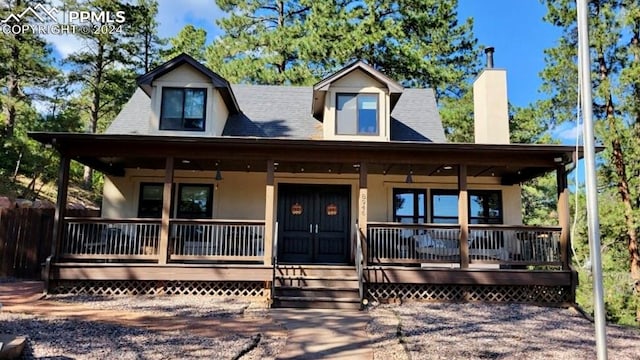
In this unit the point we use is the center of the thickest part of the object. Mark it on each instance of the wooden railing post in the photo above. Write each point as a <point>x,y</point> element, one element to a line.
<point>163,247</point>
<point>362,207</point>
<point>564,217</point>
<point>269,211</point>
<point>463,215</point>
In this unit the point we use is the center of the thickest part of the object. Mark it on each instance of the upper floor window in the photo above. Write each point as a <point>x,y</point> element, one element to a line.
<point>183,109</point>
<point>357,114</point>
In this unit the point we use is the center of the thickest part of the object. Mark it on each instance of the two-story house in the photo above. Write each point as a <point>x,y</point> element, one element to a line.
<point>309,196</point>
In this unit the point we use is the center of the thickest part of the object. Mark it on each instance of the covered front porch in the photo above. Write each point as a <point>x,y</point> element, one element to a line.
<point>393,257</point>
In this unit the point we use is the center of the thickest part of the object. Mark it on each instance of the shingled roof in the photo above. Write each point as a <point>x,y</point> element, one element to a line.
<point>283,112</point>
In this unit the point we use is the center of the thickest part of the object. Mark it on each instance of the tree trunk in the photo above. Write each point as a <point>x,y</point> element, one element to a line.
<point>618,161</point>
<point>87,177</point>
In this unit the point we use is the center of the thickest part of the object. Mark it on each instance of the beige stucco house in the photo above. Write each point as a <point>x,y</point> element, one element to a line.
<point>329,195</point>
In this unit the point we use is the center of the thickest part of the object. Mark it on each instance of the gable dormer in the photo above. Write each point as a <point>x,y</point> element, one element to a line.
<point>355,103</point>
<point>187,98</point>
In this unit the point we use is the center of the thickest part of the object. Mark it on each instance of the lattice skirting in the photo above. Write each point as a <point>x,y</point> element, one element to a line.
<point>137,287</point>
<point>489,293</point>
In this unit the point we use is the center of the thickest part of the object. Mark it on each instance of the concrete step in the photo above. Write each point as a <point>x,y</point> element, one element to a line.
<point>316,302</point>
<point>325,292</point>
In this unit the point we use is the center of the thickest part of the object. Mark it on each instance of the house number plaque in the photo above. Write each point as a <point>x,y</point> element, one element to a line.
<point>332,209</point>
<point>296,209</point>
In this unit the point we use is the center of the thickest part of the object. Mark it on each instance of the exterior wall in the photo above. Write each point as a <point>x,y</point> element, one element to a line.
<point>381,194</point>
<point>356,82</point>
<point>240,195</point>
<point>187,77</point>
<point>234,198</point>
<point>490,108</point>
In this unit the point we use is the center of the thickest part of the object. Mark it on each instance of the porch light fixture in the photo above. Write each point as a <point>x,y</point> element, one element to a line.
<point>447,167</point>
<point>409,178</point>
<point>218,175</point>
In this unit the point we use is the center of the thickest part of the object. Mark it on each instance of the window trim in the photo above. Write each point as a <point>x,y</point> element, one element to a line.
<point>209,210</point>
<point>470,193</point>
<point>183,89</point>
<point>416,206</point>
<point>358,133</point>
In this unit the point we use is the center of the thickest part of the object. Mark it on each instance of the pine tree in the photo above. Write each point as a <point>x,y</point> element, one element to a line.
<point>614,28</point>
<point>103,68</point>
<point>144,44</point>
<point>190,40</point>
<point>25,66</point>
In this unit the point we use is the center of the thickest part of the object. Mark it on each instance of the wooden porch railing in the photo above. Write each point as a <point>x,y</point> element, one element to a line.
<point>217,240</point>
<point>99,238</point>
<point>137,240</point>
<point>397,243</point>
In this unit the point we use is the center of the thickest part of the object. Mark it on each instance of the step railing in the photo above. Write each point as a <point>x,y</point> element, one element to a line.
<point>359,259</point>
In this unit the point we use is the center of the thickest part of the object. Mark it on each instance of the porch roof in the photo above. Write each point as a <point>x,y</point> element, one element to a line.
<point>112,154</point>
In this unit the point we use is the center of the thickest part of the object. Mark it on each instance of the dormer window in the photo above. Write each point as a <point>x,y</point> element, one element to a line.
<point>357,114</point>
<point>183,109</point>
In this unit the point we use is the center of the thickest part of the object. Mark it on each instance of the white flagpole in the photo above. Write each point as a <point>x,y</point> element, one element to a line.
<point>584,71</point>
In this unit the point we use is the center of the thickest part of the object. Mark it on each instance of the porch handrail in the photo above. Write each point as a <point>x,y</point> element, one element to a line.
<point>359,263</point>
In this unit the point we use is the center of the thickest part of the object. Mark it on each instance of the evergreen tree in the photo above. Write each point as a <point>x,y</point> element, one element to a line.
<point>25,66</point>
<point>103,68</point>
<point>417,42</point>
<point>614,28</point>
<point>190,40</point>
<point>144,44</point>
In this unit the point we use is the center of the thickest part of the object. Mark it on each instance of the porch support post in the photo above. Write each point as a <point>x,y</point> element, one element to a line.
<point>269,217</point>
<point>463,215</point>
<point>61,205</point>
<point>58,219</point>
<point>362,208</point>
<point>564,217</point>
<point>163,247</point>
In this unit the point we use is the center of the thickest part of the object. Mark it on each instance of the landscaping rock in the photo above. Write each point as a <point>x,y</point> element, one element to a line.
<point>11,346</point>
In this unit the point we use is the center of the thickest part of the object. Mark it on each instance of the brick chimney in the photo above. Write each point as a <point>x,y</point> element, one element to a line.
<point>490,109</point>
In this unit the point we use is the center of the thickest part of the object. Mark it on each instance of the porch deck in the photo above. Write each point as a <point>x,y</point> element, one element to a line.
<point>425,261</point>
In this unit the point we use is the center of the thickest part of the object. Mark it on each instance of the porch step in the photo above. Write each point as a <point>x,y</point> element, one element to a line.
<point>316,286</point>
<point>321,291</point>
<point>318,302</point>
<point>314,270</point>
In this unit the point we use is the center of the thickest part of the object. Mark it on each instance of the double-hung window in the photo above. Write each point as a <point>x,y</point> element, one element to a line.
<point>357,114</point>
<point>150,203</point>
<point>183,109</point>
<point>195,201</point>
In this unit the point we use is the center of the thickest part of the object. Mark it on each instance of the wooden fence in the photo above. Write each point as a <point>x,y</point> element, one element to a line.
<point>25,240</point>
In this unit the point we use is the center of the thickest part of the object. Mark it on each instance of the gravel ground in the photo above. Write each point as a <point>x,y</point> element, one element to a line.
<point>490,331</point>
<point>408,331</point>
<point>54,338</point>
